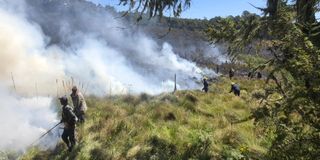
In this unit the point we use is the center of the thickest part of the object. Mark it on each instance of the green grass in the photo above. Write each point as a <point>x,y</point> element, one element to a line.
<point>184,125</point>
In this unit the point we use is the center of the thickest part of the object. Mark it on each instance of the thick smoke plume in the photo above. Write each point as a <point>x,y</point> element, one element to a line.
<point>23,120</point>
<point>46,46</point>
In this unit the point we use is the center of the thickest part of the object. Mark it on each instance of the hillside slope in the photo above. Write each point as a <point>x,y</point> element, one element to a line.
<point>60,18</point>
<point>184,125</point>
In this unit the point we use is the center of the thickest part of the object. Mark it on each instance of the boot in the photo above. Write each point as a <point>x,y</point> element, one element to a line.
<point>70,148</point>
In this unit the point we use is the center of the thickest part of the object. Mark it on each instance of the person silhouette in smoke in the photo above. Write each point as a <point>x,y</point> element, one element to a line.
<point>79,104</point>
<point>205,85</point>
<point>69,119</point>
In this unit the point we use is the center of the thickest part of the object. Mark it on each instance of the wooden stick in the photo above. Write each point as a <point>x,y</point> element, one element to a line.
<point>64,87</point>
<point>72,81</point>
<point>175,83</point>
<point>14,84</point>
<point>86,89</point>
<point>57,83</point>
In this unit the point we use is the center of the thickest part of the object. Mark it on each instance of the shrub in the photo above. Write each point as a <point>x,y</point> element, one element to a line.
<point>200,149</point>
<point>144,97</point>
<point>190,97</point>
<point>132,100</point>
<point>258,94</point>
<point>232,138</point>
<point>170,117</point>
<point>160,149</point>
<point>188,106</point>
<point>99,154</point>
<point>170,98</point>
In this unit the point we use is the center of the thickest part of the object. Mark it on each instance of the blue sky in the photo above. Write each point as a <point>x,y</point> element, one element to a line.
<point>209,8</point>
<point>212,8</point>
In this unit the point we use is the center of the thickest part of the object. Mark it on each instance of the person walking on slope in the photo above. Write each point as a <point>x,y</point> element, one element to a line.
<point>205,85</point>
<point>235,88</point>
<point>69,119</point>
<point>79,104</point>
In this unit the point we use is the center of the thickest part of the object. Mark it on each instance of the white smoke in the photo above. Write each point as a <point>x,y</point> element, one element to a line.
<point>100,58</point>
<point>34,64</point>
<point>212,53</point>
<point>23,120</point>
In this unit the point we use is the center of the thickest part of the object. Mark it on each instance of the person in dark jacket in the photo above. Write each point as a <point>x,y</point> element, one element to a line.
<point>205,85</point>
<point>250,74</point>
<point>69,119</point>
<point>259,75</point>
<point>235,88</point>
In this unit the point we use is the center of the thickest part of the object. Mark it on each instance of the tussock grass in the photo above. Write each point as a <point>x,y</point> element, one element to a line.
<point>183,125</point>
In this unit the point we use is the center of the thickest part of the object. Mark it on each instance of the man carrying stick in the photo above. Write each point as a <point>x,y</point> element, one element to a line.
<point>69,119</point>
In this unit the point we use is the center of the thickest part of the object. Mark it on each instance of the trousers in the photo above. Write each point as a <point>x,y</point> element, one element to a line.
<point>68,136</point>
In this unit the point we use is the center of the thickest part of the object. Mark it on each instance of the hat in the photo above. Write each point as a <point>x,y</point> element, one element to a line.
<point>63,99</point>
<point>232,83</point>
<point>74,88</point>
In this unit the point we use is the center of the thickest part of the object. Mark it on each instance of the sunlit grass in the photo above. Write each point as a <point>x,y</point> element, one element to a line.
<point>184,125</point>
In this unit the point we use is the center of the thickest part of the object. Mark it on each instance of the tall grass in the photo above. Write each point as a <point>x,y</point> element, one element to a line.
<point>183,125</point>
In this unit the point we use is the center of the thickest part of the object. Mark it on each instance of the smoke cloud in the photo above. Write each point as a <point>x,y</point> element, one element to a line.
<point>48,46</point>
<point>99,55</point>
<point>23,120</point>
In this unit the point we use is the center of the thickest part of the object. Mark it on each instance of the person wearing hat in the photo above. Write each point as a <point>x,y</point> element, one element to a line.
<point>69,119</point>
<point>79,104</point>
<point>205,85</point>
<point>235,88</point>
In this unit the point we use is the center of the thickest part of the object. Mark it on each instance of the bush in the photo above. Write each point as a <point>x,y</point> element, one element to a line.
<point>99,154</point>
<point>170,117</point>
<point>190,97</point>
<point>170,98</point>
<point>131,100</point>
<point>258,94</point>
<point>229,153</point>
<point>188,106</point>
<point>232,138</point>
<point>144,97</point>
<point>120,127</point>
<point>198,150</point>
<point>160,150</point>
<point>232,117</point>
